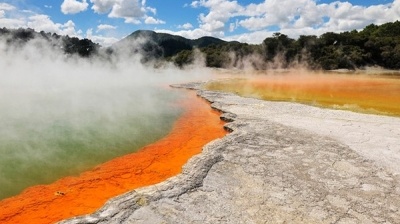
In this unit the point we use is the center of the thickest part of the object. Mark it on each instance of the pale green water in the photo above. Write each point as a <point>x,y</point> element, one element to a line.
<point>48,135</point>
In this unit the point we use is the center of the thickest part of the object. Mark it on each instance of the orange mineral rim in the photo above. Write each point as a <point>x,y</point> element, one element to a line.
<point>73,196</point>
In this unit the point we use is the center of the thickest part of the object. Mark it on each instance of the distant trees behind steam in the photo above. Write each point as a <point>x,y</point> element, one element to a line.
<point>373,46</point>
<point>70,45</point>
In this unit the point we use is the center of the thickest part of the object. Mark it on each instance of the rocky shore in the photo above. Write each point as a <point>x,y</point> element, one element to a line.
<point>281,163</point>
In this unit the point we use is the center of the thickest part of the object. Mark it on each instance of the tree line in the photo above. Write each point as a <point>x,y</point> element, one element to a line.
<point>15,38</point>
<point>375,45</point>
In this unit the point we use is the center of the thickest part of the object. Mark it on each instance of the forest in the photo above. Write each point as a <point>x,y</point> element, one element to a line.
<point>375,45</point>
<point>15,38</point>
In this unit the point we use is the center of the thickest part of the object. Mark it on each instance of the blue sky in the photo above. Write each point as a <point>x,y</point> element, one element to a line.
<point>106,21</point>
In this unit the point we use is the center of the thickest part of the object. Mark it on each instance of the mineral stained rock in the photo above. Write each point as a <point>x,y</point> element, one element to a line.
<point>263,172</point>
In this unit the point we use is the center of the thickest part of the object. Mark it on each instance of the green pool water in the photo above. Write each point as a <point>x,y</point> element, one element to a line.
<point>46,135</point>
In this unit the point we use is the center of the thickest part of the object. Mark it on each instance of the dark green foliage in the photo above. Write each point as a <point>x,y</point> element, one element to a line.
<point>169,46</point>
<point>71,45</point>
<point>17,37</point>
<point>83,47</point>
<point>183,58</point>
<point>206,41</point>
<point>215,56</point>
<point>283,45</point>
<point>4,31</point>
<point>172,47</point>
<point>375,45</point>
<point>154,45</point>
<point>23,34</point>
<point>229,54</point>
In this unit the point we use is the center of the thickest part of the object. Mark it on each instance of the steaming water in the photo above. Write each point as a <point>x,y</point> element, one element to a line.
<point>60,116</point>
<point>45,136</point>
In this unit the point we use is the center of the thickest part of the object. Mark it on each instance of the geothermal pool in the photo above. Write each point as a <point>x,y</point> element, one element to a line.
<point>358,92</point>
<point>62,116</point>
<point>46,136</point>
<point>72,196</point>
<point>58,127</point>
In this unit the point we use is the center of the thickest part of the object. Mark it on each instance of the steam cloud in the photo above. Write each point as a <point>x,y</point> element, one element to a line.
<point>61,114</point>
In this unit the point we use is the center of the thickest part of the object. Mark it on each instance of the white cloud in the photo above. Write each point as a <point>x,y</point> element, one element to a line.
<point>185,26</point>
<point>6,7</point>
<point>12,23</point>
<point>14,18</point>
<point>105,27</point>
<point>133,11</point>
<point>73,6</point>
<point>213,26</point>
<point>220,18</point>
<point>220,11</point>
<point>252,37</point>
<point>132,20</point>
<point>291,17</point>
<point>255,23</point>
<point>68,28</point>
<point>127,9</point>
<point>233,26</point>
<point>44,23</point>
<point>102,40</point>
<point>281,14</point>
<point>39,22</point>
<point>152,10</point>
<point>190,34</point>
<point>195,4</point>
<point>10,17</point>
<point>102,6</point>
<point>152,20</point>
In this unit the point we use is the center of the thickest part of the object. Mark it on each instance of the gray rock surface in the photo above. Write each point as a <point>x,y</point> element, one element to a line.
<point>263,172</point>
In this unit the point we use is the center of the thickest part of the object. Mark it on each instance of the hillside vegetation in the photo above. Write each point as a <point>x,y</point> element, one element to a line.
<point>375,45</point>
<point>15,38</point>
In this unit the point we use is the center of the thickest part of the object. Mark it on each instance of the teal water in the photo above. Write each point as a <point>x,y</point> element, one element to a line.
<point>46,135</point>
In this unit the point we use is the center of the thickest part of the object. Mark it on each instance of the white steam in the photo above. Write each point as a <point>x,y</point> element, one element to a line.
<point>61,114</point>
